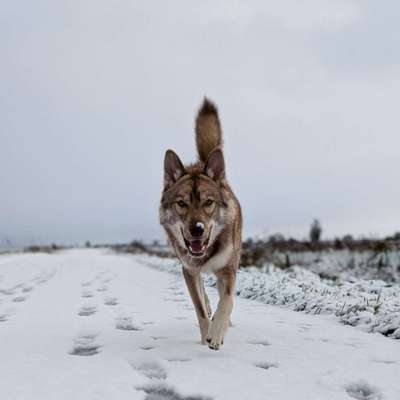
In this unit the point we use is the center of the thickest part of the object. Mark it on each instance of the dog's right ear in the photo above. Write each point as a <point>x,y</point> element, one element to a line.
<point>173,168</point>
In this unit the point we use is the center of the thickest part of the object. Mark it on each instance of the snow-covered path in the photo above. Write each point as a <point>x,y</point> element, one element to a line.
<point>84,324</point>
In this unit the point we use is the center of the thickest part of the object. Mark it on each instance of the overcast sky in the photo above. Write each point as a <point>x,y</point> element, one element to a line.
<point>94,92</point>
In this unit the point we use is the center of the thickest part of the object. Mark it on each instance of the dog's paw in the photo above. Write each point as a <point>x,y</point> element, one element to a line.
<point>216,332</point>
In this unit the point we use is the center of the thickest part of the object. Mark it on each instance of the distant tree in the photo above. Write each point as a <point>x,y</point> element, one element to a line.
<point>315,231</point>
<point>249,242</point>
<point>338,244</point>
<point>348,242</point>
<point>396,236</point>
<point>137,246</point>
<point>348,238</point>
<point>88,244</point>
<point>276,238</point>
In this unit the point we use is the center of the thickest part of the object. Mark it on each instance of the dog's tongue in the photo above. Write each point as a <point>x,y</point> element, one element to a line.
<point>196,245</point>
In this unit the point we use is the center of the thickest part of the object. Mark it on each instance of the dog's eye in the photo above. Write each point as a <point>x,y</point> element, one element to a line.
<point>208,203</point>
<point>181,204</point>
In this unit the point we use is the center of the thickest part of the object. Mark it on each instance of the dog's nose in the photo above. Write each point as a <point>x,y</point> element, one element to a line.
<point>197,229</point>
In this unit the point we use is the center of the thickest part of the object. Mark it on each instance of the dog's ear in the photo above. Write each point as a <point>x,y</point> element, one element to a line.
<point>215,165</point>
<point>173,168</point>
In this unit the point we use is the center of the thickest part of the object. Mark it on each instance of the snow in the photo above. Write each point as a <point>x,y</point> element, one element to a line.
<point>371,305</point>
<point>348,265</point>
<point>96,325</point>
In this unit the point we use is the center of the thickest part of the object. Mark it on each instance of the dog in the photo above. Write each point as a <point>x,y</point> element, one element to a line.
<point>203,222</point>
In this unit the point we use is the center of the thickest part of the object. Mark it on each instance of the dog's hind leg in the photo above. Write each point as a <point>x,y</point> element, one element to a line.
<point>193,282</point>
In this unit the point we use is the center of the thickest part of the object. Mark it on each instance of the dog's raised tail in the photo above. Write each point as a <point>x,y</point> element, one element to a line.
<point>208,129</point>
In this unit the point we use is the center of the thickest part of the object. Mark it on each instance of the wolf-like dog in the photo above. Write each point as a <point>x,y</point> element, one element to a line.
<point>203,222</point>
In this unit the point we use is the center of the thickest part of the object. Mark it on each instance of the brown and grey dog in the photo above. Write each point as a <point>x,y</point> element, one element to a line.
<point>202,219</point>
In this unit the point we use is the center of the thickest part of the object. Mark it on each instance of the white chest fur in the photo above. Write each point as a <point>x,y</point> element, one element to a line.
<point>219,260</point>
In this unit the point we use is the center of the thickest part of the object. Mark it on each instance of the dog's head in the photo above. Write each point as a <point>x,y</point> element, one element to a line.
<point>193,206</point>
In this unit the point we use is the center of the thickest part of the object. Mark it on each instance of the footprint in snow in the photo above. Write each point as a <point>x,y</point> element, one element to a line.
<point>27,289</point>
<point>86,284</point>
<point>161,391</point>
<point>308,325</point>
<point>7,292</point>
<point>85,345</point>
<point>87,294</point>
<point>159,337</point>
<point>355,343</point>
<point>3,317</point>
<point>111,301</point>
<point>147,347</point>
<point>126,324</point>
<point>179,300</point>
<point>44,278</point>
<point>102,289</point>
<point>382,361</point>
<point>363,391</point>
<point>151,370</point>
<point>177,292</point>
<point>304,329</point>
<point>174,299</point>
<point>266,365</point>
<point>19,299</point>
<point>86,311</point>
<point>260,342</point>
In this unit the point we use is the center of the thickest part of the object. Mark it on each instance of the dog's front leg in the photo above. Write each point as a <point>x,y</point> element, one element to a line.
<point>221,318</point>
<point>194,284</point>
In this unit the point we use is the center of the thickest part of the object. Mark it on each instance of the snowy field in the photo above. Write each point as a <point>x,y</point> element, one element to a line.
<point>88,324</point>
<point>371,305</point>
<point>349,265</point>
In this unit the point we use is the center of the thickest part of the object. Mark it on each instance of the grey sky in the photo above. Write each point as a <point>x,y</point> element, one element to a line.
<point>93,93</point>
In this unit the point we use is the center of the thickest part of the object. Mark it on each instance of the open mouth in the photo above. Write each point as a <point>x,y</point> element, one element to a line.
<point>197,247</point>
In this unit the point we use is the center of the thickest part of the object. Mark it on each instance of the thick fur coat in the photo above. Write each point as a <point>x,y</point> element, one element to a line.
<point>202,219</point>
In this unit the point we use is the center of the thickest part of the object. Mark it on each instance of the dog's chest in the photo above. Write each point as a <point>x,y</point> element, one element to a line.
<point>220,260</point>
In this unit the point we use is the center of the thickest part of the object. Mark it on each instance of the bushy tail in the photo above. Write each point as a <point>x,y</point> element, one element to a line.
<point>208,129</point>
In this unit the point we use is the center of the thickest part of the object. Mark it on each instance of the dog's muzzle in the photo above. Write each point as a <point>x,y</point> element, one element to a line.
<point>197,247</point>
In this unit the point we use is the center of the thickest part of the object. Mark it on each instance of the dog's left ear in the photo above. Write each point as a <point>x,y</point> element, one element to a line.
<point>215,165</point>
<point>173,168</point>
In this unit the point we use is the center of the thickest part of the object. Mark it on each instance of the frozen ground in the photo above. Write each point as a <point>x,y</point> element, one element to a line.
<point>371,305</point>
<point>84,324</point>
<point>348,265</point>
